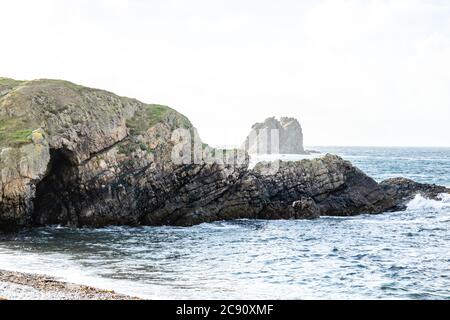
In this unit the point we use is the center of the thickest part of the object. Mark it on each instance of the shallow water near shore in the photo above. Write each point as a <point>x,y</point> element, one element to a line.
<point>399,255</point>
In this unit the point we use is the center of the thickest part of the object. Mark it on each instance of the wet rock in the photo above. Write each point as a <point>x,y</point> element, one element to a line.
<point>402,190</point>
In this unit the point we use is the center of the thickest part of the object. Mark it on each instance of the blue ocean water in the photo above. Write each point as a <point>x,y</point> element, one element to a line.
<point>397,255</point>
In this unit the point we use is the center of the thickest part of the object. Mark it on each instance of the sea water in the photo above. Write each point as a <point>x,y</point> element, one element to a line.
<point>396,255</point>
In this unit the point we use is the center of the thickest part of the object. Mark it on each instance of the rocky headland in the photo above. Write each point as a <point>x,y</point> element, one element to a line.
<point>78,156</point>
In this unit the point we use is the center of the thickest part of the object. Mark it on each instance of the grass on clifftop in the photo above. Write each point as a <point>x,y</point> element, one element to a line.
<point>62,83</point>
<point>151,114</point>
<point>10,82</point>
<point>13,134</point>
<point>7,83</point>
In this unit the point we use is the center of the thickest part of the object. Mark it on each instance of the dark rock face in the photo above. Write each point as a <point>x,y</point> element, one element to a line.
<point>402,190</point>
<point>290,137</point>
<point>78,169</point>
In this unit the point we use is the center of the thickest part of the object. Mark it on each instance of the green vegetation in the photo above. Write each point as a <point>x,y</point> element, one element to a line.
<point>12,133</point>
<point>7,82</point>
<point>151,114</point>
<point>127,148</point>
<point>22,136</point>
<point>7,85</point>
<point>143,146</point>
<point>63,83</point>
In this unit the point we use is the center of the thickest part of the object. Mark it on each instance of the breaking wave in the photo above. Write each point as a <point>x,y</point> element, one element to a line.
<point>422,203</point>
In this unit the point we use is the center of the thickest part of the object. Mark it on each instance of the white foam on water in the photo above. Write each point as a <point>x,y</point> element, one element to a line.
<point>61,268</point>
<point>217,226</point>
<point>421,203</point>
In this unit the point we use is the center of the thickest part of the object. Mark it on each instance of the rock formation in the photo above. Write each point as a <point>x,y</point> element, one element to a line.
<point>272,136</point>
<point>76,156</point>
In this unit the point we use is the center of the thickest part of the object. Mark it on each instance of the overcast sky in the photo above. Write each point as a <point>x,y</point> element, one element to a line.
<point>353,72</point>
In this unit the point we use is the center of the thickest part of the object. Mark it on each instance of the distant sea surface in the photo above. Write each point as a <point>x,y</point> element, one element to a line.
<point>397,255</point>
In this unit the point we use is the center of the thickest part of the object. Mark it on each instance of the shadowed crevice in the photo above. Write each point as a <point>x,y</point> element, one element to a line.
<point>55,196</point>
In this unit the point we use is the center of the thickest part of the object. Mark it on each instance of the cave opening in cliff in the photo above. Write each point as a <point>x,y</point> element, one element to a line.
<point>53,193</point>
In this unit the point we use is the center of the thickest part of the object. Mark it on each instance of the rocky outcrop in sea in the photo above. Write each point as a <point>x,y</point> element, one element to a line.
<point>76,156</point>
<point>273,136</point>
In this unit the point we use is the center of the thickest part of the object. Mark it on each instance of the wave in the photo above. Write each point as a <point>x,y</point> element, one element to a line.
<point>420,202</point>
<point>218,225</point>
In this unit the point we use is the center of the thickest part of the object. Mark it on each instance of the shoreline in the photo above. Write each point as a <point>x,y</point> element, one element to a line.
<point>27,286</point>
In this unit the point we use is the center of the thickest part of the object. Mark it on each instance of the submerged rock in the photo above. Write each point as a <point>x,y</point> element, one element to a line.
<point>76,156</point>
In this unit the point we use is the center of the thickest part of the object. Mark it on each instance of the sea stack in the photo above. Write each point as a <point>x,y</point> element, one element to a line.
<point>284,136</point>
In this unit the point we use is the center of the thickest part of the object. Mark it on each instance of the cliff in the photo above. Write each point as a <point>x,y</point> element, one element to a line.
<point>77,156</point>
<point>288,138</point>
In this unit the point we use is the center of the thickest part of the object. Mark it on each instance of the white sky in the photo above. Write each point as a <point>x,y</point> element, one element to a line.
<point>353,72</point>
